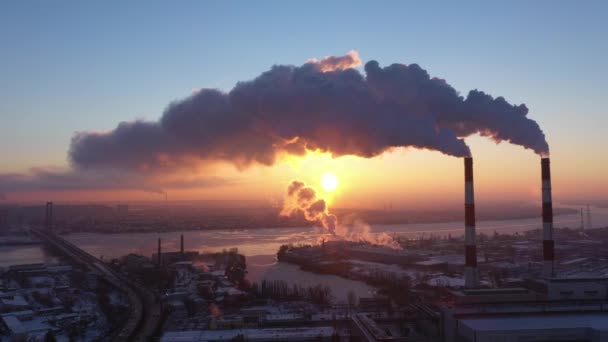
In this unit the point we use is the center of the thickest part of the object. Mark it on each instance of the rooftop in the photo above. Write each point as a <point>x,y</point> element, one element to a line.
<point>597,322</point>
<point>250,334</point>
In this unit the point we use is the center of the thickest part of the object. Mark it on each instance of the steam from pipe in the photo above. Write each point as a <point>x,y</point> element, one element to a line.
<point>323,105</point>
<point>302,200</point>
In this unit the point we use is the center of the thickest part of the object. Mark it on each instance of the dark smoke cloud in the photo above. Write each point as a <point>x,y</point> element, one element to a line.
<point>411,87</point>
<point>294,187</point>
<point>322,105</point>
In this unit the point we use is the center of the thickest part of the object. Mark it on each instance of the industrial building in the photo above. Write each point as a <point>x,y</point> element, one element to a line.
<point>560,310</point>
<point>254,335</point>
<point>168,258</point>
<point>545,309</point>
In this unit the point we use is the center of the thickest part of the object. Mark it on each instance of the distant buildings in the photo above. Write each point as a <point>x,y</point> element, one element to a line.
<point>122,209</point>
<point>302,334</point>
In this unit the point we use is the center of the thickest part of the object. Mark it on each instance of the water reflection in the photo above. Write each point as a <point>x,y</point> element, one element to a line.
<point>31,254</point>
<point>261,245</point>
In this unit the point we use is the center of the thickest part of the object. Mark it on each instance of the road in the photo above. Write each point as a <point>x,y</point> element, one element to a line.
<point>144,308</point>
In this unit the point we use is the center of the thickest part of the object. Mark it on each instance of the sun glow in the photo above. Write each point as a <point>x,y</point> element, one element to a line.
<point>329,182</point>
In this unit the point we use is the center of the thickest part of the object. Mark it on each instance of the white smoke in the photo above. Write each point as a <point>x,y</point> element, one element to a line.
<point>302,201</point>
<point>333,63</point>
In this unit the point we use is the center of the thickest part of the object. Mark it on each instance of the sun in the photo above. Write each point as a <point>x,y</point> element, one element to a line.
<point>329,182</point>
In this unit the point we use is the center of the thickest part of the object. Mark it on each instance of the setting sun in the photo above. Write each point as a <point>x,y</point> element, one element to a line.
<point>329,182</point>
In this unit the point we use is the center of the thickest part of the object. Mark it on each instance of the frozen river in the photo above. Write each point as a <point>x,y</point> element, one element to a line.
<point>261,245</point>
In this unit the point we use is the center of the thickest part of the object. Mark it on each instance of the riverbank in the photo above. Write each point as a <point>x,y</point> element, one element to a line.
<point>260,268</point>
<point>170,219</point>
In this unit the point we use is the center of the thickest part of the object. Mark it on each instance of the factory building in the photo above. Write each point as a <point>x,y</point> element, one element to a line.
<point>301,334</point>
<point>560,310</point>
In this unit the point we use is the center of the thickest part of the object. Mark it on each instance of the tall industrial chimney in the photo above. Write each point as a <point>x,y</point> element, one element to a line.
<point>48,219</point>
<point>471,276</point>
<point>160,256</point>
<point>181,243</point>
<point>548,244</point>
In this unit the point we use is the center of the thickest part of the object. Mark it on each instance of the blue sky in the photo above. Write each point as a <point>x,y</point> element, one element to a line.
<point>69,66</point>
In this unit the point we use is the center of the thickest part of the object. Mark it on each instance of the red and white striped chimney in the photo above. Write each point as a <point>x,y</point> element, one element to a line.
<point>548,244</point>
<point>471,276</point>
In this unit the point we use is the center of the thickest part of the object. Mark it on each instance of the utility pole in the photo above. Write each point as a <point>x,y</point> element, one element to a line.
<point>48,220</point>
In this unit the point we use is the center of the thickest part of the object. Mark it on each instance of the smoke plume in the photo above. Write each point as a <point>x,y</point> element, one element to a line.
<point>302,201</point>
<point>323,105</point>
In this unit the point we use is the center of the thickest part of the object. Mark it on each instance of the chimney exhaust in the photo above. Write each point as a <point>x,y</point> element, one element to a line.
<point>181,243</point>
<point>548,243</point>
<point>471,274</point>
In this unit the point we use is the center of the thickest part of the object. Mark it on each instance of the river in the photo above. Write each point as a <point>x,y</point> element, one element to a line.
<point>24,254</point>
<point>261,245</point>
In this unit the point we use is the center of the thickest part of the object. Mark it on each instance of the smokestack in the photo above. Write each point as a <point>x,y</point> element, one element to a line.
<point>589,225</point>
<point>160,256</point>
<point>48,220</point>
<point>548,244</point>
<point>181,243</point>
<point>471,275</point>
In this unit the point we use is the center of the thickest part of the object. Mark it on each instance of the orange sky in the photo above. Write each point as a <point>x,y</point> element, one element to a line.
<point>553,60</point>
<point>403,178</point>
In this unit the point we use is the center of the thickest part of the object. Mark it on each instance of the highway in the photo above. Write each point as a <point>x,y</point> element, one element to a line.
<point>144,308</point>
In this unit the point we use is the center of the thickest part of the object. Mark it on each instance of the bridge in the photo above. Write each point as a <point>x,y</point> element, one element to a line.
<point>144,307</point>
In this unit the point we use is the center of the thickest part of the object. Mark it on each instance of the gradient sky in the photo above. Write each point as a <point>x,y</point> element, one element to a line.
<point>70,66</point>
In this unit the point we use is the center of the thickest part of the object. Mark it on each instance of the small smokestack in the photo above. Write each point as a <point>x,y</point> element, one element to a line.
<point>548,244</point>
<point>181,243</point>
<point>48,220</point>
<point>160,256</point>
<point>589,225</point>
<point>471,275</point>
